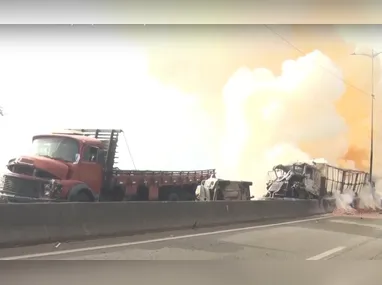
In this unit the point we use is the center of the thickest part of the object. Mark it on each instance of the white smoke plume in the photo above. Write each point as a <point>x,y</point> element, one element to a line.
<point>345,200</point>
<point>368,199</point>
<point>368,39</point>
<point>274,119</point>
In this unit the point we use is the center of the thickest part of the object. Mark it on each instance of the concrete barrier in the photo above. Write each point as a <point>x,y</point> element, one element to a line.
<point>40,223</point>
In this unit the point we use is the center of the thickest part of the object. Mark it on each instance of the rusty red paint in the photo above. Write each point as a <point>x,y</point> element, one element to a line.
<point>92,173</point>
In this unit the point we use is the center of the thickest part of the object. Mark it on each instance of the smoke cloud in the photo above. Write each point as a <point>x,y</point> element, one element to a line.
<point>258,49</point>
<point>367,200</point>
<point>365,40</point>
<point>281,119</point>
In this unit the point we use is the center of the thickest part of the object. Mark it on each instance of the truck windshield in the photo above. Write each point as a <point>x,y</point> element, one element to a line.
<point>298,169</point>
<point>282,170</point>
<point>56,148</point>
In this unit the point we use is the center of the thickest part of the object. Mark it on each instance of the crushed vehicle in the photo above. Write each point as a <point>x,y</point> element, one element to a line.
<point>214,189</point>
<point>80,166</point>
<point>312,180</point>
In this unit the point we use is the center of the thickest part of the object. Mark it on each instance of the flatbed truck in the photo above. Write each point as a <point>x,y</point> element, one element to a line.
<point>78,165</point>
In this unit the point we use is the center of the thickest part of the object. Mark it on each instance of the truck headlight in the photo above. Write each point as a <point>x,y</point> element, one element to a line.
<point>47,190</point>
<point>52,189</point>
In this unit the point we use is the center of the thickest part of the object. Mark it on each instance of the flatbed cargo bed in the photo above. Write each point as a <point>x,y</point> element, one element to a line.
<point>164,177</point>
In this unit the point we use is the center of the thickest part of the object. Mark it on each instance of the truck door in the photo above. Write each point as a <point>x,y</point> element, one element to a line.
<point>91,171</point>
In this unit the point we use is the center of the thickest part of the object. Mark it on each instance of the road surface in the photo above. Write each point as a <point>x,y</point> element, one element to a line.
<point>269,250</point>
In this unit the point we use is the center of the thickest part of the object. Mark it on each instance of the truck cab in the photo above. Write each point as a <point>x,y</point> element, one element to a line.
<point>297,180</point>
<point>74,165</point>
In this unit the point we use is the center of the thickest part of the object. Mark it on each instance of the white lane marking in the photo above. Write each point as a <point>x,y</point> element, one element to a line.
<point>379,227</point>
<point>126,244</point>
<point>327,253</point>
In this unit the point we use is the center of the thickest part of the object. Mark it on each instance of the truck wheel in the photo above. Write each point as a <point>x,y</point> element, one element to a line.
<point>173,197</point>
<point>118,194</point>
<point>82,196</point>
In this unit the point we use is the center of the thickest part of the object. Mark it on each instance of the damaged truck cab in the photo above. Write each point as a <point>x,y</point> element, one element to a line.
<point>313,180</point>
<point>297,180</point>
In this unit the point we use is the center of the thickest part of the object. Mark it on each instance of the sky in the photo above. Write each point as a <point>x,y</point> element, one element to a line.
<point>192,12</point>
<point>239,99</point>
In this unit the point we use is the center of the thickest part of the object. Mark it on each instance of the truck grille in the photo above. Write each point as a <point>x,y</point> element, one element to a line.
<point>22,187</point>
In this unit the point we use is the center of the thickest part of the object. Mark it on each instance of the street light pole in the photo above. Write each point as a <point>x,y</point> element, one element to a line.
<point>373,55</point>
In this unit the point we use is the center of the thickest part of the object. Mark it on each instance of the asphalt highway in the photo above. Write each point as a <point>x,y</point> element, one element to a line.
<point>282,247</point>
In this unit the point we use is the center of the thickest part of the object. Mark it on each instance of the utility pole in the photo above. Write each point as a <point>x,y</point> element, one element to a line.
<point>372,56</point>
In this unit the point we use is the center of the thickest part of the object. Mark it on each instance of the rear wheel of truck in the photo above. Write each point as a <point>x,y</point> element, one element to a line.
<point>173,197</point>
<point>118,194</point>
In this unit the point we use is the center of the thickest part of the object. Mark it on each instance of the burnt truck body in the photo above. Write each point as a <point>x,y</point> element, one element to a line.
<point>79,165</point>
<point>214,189</point>
<point>313,180</point>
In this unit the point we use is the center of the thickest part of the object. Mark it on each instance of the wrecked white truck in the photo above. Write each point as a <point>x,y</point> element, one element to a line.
<point>214,189</point>
<point>313,180</point>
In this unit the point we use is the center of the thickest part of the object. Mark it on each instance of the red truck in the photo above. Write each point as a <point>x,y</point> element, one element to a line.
<point>79,165</point>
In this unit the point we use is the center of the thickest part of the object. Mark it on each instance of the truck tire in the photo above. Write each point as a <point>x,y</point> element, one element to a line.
<point>173,197</point>
<point>118,194</point>
<point>82,196</point>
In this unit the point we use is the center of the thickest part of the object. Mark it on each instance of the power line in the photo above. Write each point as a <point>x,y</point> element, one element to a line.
<point>128,148</point>
<point>323,67</point>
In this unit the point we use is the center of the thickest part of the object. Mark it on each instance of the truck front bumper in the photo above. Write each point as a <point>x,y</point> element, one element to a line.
<point>10,198</point>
